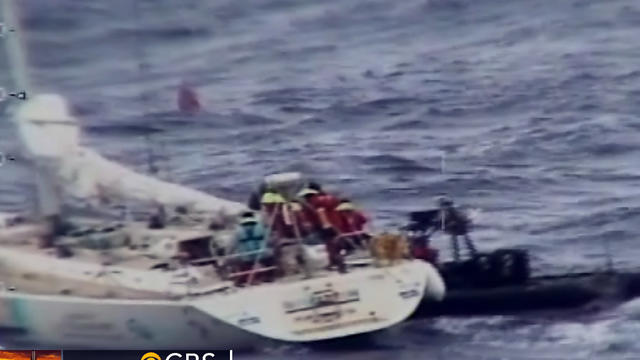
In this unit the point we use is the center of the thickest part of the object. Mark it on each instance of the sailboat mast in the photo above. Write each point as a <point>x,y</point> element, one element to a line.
<point>48,197</point>
<point>15,50</point>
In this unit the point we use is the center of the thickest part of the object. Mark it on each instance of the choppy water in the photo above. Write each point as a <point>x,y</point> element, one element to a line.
<point>533,101</point>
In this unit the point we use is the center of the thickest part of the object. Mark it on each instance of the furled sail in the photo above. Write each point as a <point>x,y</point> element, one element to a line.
<point>50,136</point>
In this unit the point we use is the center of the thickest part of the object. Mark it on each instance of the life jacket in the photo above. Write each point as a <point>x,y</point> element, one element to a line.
<point>325,206</point>
<point>250,237</point>
<point>305,219</point>
<point>273,205</point>
<point>351,221</point>
<point>288,220</point>
<point>274,217</point>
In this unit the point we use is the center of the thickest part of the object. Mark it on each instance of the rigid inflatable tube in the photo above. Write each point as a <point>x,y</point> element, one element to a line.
<point>511,299</point>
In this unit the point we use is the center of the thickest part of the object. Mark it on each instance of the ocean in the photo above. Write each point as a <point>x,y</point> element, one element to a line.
<point>531,104</point>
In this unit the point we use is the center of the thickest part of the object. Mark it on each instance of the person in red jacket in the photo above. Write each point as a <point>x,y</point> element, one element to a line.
<point>352,222</point>
<point>303,219</point>
<point>324,205</point>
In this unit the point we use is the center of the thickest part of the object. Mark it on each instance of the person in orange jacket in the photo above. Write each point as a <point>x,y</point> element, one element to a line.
<point>324,205</point>
<point>303,219</point>
<point>352,221</point>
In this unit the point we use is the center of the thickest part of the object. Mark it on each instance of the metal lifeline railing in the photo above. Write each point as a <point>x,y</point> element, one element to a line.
<point>253,271</point>
<point>257,270</point>
<point>237,255</point>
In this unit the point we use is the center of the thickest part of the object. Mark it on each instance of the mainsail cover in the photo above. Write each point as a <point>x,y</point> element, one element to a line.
<point>50,136</point>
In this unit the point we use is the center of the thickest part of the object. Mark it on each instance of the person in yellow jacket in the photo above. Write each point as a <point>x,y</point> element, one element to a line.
<point>273,207</point>
<point>288,253</point>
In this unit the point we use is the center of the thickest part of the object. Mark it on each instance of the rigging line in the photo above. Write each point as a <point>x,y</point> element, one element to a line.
<point>142,68</point>
<point>157,154</point>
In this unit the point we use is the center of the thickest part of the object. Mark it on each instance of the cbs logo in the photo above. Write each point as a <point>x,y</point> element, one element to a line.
<point>150,356</point>
<point>188,356</point>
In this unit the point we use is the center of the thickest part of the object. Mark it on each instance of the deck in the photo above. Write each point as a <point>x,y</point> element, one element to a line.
<point>96,273</point>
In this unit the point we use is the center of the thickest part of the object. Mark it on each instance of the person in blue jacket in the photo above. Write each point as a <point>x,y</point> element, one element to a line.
<point>250,237</point>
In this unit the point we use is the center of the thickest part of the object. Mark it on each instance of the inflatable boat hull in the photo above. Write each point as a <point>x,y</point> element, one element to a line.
<point>541,293</point>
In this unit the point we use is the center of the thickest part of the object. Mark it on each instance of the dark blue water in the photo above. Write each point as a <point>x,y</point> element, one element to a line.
<point>534,103</point>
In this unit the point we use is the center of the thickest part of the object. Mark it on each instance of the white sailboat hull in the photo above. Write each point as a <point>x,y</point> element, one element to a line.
<point>238,318</point>
<point>84,323</point>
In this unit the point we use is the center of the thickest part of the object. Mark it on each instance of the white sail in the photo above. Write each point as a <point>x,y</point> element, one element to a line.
<point>50,136</point>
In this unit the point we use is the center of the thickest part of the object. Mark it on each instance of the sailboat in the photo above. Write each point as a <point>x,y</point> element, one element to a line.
<point>90,283</point>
